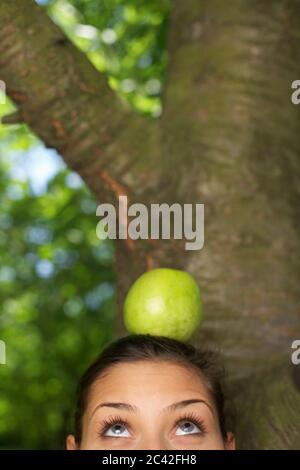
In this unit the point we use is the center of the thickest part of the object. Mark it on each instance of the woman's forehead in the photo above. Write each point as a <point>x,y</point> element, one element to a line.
<point>136,380</point>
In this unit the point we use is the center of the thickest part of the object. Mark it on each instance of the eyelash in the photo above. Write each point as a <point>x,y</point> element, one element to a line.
<point>112,420</point>
<point>109,422</point>
<point>195,420</point>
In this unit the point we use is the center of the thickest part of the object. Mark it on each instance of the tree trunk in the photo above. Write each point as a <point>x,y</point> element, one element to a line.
<point>231,132</point>
<point>228,138</point>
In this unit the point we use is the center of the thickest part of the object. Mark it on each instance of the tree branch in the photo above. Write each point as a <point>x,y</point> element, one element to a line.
<point>68,104</point>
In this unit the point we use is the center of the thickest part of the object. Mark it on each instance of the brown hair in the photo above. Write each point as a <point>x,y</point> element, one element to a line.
<point>154,348</point>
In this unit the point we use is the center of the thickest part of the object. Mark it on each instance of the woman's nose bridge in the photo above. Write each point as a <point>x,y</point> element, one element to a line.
<point>154,445</point>
<point>153,440</point>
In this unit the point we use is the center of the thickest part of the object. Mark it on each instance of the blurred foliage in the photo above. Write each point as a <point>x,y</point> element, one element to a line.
<point>57,305</point>
<point>124,39</point>
<point>57,302</point>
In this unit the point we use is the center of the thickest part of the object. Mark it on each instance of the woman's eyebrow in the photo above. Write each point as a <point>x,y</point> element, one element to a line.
<point>134,409</point>
<point>184,403</point>
<point>116,405</point>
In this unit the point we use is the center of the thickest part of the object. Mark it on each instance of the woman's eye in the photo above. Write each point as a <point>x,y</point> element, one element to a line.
<point>187,427</point>
<point>117,430</point>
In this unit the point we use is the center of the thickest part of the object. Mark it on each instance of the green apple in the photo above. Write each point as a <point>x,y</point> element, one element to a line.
<point>164,302</point>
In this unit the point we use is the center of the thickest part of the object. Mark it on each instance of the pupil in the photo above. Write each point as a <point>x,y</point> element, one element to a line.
<point>118,428</point>
<point>187,426</point>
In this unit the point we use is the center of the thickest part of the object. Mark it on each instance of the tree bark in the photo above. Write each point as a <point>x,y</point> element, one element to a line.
<point>230,127</point>
<point>228,138</point>
<point>70,107</point>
